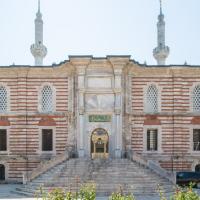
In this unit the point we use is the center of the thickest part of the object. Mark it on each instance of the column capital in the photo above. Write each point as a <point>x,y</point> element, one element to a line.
<point>80,63</point>
<point>118,63</point>
<point>117,91</point>
<point>81,111</point>
<point>117,111</point>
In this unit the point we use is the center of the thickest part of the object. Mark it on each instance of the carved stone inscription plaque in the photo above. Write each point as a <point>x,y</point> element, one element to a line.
<point>99,118</point>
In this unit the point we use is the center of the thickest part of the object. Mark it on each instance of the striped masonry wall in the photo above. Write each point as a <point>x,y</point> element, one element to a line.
<point>24,153</point>
<point>175,118</point>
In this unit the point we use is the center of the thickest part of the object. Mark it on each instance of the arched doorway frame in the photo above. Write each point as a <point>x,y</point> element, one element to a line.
<point>197,168</point>
<point>104,139</point>
<point>194,164</point>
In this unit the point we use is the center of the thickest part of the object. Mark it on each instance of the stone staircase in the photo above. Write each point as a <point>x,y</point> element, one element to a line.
<point>108,175</point>
<point>128,177</point>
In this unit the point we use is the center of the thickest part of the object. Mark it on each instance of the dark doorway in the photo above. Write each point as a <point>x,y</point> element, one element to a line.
<point>2,173</point>
<point>47,140</point>
<point>197,168</point>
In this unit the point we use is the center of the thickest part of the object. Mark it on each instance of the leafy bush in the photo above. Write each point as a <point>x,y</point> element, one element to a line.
<point>181,193</point>
<point>87,192</point>
<point>119,196</point>
<point>186,193</point>
<point>56,194</point>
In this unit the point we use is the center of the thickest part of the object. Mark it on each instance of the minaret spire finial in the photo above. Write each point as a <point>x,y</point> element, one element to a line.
<point>39,6</point>
<point>160,6</point>
<point>161,52</point>
<point>38,50</point>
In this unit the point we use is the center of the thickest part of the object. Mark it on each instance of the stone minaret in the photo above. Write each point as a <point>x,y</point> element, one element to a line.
<point>161,52</point>
<point>38,50</point>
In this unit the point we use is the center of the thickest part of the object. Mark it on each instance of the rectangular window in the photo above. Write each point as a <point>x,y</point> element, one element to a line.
<point>152,140</point>
<point>3,140</point>
<point>196,139</point>
<point>47,140</point>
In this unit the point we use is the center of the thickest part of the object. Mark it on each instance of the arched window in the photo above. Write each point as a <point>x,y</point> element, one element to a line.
<point>196,99</point>
<point>3,99</point>
<point>152,99</point>
<point>47,99</point>
<point>2,172</point>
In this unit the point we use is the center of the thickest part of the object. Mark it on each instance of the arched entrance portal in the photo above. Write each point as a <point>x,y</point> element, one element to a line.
<point>99,144</point>
<point>2,173</point>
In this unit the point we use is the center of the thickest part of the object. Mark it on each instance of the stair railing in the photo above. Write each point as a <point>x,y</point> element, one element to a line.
<point>45,166</point>
<point>152,165</point>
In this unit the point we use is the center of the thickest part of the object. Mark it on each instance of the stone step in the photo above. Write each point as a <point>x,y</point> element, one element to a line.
<point>137,178</point>
<point>100,189</point>
<point>107,174</point>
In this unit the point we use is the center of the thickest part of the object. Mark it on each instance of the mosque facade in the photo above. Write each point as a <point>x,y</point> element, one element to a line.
<point>99,108</point>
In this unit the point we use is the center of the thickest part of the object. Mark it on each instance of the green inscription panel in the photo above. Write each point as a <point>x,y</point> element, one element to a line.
<point>99,118</point>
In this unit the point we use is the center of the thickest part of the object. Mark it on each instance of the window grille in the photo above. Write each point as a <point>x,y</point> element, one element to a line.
<point>196,99</point>
<point>152,99</point>
<point>152,140</point>
<point>3,140</point>
<point>3,99</point>
<point>196,139</point>
<point>47,140</point>
<point>47,99</point>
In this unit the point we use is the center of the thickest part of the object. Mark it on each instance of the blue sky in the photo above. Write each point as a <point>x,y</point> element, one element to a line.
<point>100,28</point>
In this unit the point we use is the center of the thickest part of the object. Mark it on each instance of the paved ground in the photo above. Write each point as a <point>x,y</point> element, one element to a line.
<point>7,194</point>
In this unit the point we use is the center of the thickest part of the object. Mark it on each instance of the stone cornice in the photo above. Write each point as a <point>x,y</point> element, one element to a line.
<point>167,114</point>
<point>135,69</point>
<point>80,61</point>
<point>39,72</point>
<point>115,62</point>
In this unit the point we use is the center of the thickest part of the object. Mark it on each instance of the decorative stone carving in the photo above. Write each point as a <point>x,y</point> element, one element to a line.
<point>100,101</point>
<point>99,82</point>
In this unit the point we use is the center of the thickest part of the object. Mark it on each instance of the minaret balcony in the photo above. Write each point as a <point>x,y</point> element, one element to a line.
<point>161,52</point>
<point>38,50</point>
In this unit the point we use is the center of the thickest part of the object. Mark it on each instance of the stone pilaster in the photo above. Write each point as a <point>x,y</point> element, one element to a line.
<point>118,66</point>
<point>80,65</point>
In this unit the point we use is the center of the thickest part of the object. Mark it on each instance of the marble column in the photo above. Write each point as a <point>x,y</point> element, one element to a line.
<point>118,112</point>
<point>81,150</point>
<point>81,118</point>
<point>118,149</point>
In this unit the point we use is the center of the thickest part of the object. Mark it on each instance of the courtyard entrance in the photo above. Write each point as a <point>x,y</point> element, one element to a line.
<point>99,144</point>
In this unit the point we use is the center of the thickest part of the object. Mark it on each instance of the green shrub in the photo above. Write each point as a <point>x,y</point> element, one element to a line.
<point>186,193</point>
<point>56,194</point>
<point>87,192</point>
<point>181,193</point>
<point>119,196</point>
